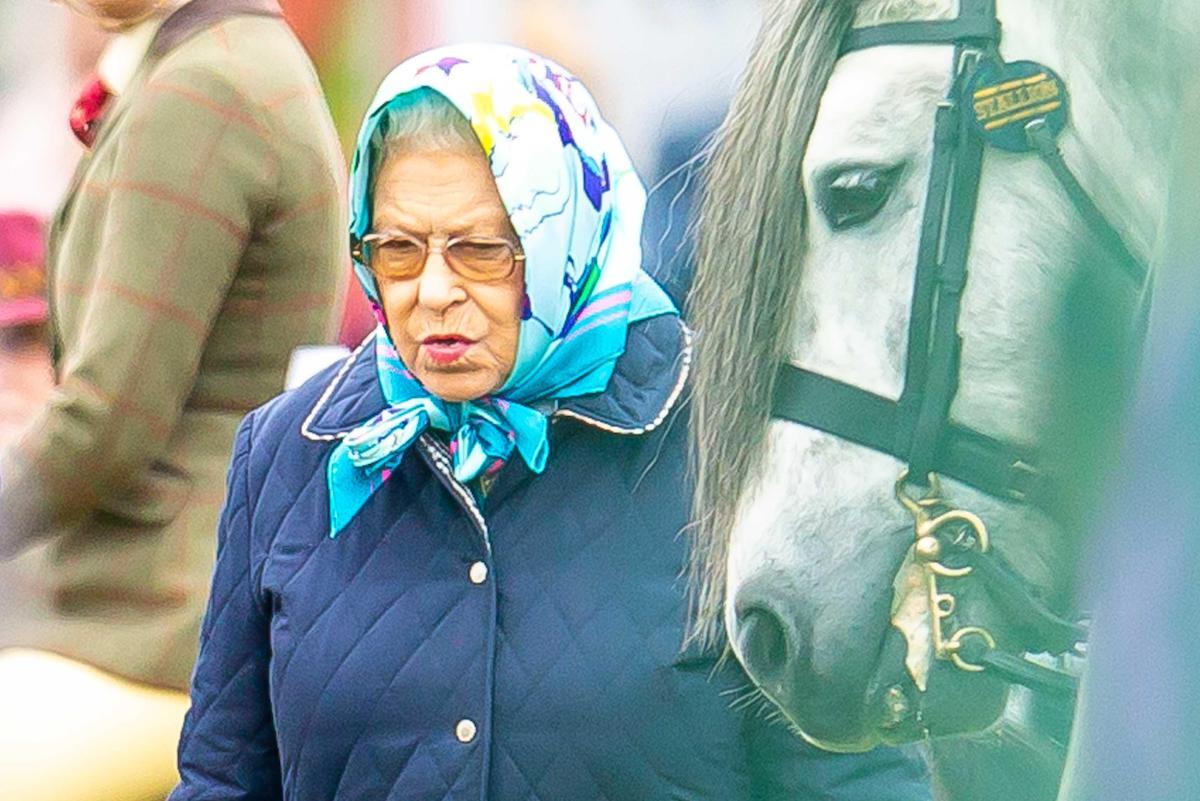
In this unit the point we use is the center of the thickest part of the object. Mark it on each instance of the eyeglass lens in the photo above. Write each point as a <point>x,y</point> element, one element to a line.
<point>400,258</point>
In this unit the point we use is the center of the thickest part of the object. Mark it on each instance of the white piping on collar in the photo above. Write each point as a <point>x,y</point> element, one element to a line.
<point>684,371</point>
<point>321,401</point>
<point>428,444</point>
<point>441,459</point>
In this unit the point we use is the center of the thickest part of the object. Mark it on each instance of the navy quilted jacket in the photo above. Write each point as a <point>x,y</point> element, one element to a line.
<point>526,650</point>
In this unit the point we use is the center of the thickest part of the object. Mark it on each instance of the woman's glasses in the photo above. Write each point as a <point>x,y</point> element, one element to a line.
<point>397,256</point>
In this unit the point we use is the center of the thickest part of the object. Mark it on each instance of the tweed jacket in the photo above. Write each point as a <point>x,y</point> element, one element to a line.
<point>201,242</point>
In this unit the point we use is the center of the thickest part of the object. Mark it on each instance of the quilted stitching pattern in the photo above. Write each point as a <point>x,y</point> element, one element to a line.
<point>337,669</point>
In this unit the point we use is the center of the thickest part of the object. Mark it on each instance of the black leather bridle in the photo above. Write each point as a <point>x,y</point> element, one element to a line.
<point>1019,107</point>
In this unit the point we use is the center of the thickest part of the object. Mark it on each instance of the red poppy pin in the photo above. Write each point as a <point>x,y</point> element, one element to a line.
<point>88,109</point>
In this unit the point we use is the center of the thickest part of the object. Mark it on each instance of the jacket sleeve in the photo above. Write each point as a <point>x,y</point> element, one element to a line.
<point>193,168</point>
<point>784,767</point>
<point>228,750</point>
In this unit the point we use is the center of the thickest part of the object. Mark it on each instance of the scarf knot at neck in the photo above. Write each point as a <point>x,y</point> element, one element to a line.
<point>485,433</point>
<point>376,445</point>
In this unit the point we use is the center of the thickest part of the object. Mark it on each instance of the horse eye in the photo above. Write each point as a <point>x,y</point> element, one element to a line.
<point>853,196</point>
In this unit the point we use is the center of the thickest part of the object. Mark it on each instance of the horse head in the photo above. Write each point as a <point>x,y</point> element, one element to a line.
<point>817,212</point>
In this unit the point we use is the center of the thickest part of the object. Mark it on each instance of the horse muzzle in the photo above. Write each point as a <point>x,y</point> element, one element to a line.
<point>819,685</point>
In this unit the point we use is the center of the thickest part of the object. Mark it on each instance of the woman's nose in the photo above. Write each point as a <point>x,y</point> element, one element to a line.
<point>440,287</point>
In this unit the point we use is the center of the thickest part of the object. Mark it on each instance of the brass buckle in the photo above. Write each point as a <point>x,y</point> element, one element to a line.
<point>928,550</point>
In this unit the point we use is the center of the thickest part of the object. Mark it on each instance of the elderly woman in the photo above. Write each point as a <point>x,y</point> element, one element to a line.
<point>448,567</point>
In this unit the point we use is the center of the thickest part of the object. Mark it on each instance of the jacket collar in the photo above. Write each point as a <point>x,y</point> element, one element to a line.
<point>646,386</point>
<point>198,15</point>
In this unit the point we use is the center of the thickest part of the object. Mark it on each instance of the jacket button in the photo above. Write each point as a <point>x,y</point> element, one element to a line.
<point>478,572</point>
<point>465,730</point>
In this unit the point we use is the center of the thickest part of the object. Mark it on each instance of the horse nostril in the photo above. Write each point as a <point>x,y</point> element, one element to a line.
<point>764,646</point>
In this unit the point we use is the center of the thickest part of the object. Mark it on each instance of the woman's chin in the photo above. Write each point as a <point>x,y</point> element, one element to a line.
<point>456,382</point>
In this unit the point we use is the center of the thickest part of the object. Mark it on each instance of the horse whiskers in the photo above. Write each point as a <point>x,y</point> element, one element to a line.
<point>743,695</point>
<point>752,700</point>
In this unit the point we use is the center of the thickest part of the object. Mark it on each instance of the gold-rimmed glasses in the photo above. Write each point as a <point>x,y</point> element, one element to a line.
<point>400,256</point>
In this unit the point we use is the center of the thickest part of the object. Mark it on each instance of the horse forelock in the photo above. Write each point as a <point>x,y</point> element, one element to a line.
<point>750,241</point>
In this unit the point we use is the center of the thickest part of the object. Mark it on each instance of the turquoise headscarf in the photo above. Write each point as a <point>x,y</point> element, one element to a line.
<point>575,201</point>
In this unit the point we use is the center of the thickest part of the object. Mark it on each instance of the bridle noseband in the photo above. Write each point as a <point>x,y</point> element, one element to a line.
<point>1019,107</point>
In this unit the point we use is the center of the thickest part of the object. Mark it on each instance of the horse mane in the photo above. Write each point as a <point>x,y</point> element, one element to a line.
<point>750,237</point>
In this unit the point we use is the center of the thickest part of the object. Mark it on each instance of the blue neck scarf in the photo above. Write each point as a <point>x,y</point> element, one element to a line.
<point>576,203</point>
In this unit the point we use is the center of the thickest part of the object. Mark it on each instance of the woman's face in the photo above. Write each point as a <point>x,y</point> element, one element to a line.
<point>458,336</point>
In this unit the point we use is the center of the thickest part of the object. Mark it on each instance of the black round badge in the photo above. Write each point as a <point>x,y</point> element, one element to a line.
<point>1007,96</point>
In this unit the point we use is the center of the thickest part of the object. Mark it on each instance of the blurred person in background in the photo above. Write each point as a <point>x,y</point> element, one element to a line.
<point>25,374</point>
<point>449,567</point>
<point>1137,728</point>
<point>199,243</point>
<point>668,238</point>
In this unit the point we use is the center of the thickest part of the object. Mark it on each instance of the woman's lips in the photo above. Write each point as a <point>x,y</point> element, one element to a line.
<point>446,349</point>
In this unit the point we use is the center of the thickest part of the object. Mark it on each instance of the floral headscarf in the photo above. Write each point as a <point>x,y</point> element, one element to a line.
<point>575,202</point>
